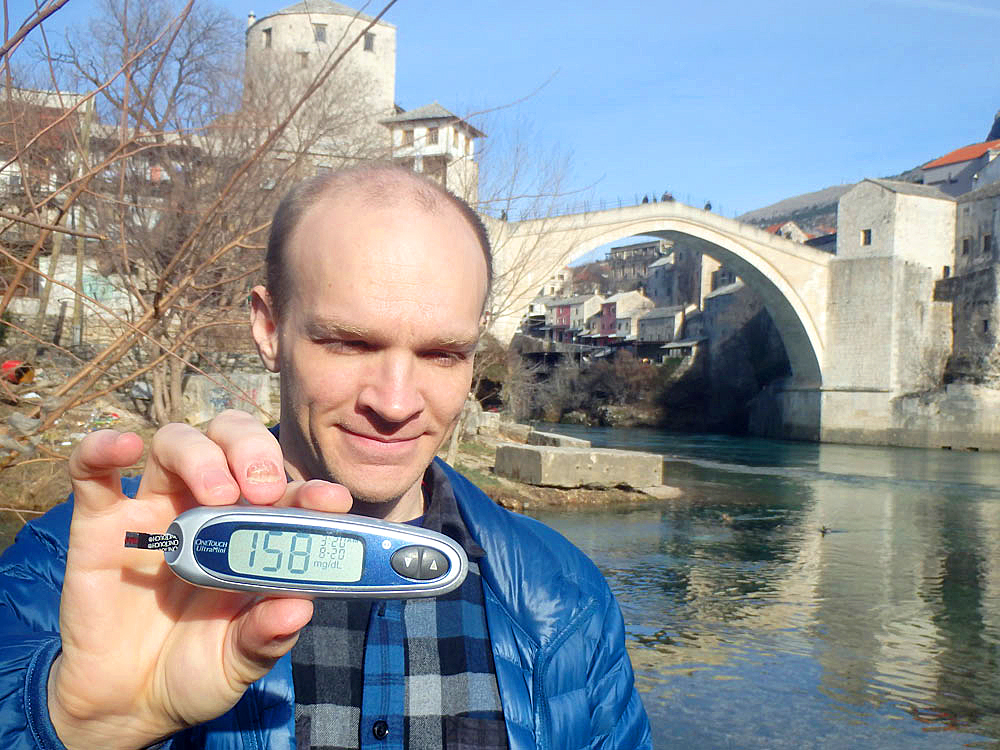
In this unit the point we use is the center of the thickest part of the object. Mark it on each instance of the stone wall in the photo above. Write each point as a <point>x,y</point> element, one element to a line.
<point>859,330</point>
<point>957,417</point>
<point>745,353</point>
<point>974,289</point>
<point>976,319</point>
<point>251,392</point>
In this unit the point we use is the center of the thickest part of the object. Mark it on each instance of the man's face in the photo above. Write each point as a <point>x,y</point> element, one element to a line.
<point>375,344</point>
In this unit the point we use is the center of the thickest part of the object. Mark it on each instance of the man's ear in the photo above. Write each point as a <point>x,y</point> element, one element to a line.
<point>264,327</point>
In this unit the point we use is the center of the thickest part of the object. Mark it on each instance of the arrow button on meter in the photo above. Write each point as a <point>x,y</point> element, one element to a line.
<point>432,564</point>
<point>406,562</point>
<point>419,563</point>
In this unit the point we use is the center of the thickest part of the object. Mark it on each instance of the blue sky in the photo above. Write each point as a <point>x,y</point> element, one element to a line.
<point>740,103</point>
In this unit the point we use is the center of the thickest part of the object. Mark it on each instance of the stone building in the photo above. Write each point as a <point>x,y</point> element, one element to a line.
<point>567,317</point>
<point>620,315</point>
<point>661,281</point>
<point>435,142</point>
<point>627,264</point>
<point>957,172</point>
<point>353,116</point>
<point>972,287</point>
<point>661,324</point>
<point>682,277</point>
<point>890,235</point>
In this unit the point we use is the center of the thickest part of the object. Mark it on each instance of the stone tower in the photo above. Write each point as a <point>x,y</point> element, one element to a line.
<point>285,51</point>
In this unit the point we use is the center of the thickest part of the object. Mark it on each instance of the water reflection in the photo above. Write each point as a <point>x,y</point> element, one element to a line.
<point>810,596</point>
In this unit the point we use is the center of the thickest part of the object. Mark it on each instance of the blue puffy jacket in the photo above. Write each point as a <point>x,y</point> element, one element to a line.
<point>558,643</point>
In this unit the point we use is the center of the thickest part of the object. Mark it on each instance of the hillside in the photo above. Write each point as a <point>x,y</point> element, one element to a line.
<point>815,212</point>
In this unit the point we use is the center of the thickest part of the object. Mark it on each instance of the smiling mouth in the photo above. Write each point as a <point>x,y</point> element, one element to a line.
<point>384,439</point>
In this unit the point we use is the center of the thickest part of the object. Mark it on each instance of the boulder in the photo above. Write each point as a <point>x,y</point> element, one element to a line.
<point>475,421</point>
<point>515,431</point>
<point>551,438</point>
<point>578,467</point>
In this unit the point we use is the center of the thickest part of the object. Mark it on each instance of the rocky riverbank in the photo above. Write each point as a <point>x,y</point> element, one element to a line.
<point>476,460</point>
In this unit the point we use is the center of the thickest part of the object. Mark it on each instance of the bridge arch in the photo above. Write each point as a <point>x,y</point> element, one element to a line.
<point>792,279</point>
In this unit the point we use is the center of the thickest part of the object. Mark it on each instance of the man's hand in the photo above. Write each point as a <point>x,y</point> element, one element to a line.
<point>145,654</point>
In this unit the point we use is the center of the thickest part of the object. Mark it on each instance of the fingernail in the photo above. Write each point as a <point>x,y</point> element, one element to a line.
<point>263,472</point>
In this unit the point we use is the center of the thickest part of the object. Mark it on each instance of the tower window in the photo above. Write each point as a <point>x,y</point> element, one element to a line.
<point>966,243</point>
<point>369,42</point>
<point>303,59</point>
<point>267,38</point>
<point>866,236</point>
<point>432,135</point>
<point>407,137</point>
<point>319,32</point>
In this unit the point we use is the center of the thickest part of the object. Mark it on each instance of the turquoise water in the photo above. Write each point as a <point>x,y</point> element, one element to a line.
<point>749,627</point>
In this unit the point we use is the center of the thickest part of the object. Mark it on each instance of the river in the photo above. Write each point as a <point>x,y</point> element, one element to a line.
<point>807,596</point>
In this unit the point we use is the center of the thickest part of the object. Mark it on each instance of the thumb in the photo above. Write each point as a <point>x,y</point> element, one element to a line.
<point>94,467</point>
<point>265,632</point>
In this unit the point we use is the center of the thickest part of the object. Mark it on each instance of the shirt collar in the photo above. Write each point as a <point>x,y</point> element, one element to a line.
<point>442,514</point>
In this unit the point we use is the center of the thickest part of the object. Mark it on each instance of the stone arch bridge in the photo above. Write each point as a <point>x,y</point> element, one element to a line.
<point>830,310</point>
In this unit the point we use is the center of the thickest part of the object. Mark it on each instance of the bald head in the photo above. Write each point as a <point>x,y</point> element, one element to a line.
<point>374,186</point>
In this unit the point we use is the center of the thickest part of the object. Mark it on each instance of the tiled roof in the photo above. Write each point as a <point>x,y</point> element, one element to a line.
<point>662,312</point>
<point>683,343</point>
<point>966,153</point>
<point>912,188</point>
<point>321,6</point>
<point>986,191</point>
<point>578,300</point>
<point>626,295</point>
<point>726,289</point>
<point>432,111</point>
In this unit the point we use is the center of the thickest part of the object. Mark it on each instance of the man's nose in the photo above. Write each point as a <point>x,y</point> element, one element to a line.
<point>391,390</point>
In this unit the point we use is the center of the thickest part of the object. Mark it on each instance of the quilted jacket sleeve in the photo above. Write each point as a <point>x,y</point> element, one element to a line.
<point>618,719</point>
<point>31,573</point>
<point>586,697</point>
<point>558,636</point>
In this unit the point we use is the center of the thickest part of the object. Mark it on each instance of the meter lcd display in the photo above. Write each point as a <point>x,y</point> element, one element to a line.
<point>296,555</point>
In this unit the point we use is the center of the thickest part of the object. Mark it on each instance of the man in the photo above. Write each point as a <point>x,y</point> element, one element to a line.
<point>377,280</point>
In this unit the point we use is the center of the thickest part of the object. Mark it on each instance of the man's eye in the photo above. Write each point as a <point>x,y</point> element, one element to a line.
<point>447,357</point>
<point>345,345</point>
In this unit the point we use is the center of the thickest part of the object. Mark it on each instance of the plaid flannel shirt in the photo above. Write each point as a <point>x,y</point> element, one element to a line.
<point>392,674</point>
